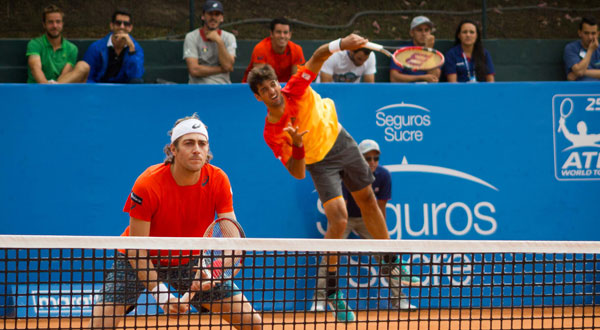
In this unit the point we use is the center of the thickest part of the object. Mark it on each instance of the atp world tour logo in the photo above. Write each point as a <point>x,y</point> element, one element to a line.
<point>576,136</point>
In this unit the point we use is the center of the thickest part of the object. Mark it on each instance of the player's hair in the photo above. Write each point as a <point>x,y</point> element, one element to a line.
<point>478,56</point>
<point>121,11</point>
<point>365,51</point>
<point>280,20</point>
<point>170,158</point>
<point>51,9</point>
<point>587,20</point>
<point>259,74</point>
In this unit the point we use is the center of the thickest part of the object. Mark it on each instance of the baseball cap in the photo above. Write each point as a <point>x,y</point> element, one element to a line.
<point>420,20</point>
<point>212,5</point>
<point>368,145</point>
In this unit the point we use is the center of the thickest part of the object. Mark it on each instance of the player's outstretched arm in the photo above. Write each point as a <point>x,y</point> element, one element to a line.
<point>296,165</point>
<point>350,42</point>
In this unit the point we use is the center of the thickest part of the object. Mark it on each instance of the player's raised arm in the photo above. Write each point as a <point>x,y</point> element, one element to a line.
<point>350,42</point>
<point>296,165</point>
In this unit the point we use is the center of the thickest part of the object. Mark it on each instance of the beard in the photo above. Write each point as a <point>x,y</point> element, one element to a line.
<point>210,28</point>
<point>53,35</point>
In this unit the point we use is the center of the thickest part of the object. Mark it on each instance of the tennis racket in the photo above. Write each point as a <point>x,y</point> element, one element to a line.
<point>415,58</point>
<point>563,113</point>
<point>218,265</point>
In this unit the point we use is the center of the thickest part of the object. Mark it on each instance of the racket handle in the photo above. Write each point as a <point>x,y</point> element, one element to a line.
<point>373,46</point>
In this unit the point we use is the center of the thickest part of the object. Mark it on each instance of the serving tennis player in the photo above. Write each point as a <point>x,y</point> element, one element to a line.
<point>303,131</point>
<point>178,198</point>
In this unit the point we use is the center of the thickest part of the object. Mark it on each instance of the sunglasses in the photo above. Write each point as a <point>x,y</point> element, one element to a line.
<point>376,159</point>
<point>119,23</point>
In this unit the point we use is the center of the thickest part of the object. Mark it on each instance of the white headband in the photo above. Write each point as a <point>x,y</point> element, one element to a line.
<point>188,126</point>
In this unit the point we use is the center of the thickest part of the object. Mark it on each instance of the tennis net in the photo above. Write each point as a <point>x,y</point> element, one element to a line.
<point>72,282</point>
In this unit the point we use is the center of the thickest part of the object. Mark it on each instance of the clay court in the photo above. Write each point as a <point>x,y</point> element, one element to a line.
<point>508,318</point>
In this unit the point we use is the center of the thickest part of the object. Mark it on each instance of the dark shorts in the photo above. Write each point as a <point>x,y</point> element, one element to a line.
<point>122,286</point>
<point>343,163</point>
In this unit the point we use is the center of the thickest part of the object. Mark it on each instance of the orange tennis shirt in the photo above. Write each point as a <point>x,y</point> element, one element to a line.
<point>178,211</point>
<point>307,110</point>
<point>282,63</point>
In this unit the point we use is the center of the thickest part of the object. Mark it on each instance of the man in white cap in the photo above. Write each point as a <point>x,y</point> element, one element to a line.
<point>178,198</point>
<point>209,52</point>
<point>382,187</point>
<point>421,29</point>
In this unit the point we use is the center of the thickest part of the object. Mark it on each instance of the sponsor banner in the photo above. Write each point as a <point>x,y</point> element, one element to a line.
<point>467,161</point>
<point>67,300</point>
<point>54,300</point>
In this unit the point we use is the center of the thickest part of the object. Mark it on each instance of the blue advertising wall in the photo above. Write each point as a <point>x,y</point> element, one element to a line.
<point>468,161</point>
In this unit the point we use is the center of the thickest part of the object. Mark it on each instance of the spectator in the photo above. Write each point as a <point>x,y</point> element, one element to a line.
<point>468,61</point>
<point>278,51</point>
<point>382,187</point>
<point>420,32</point>
<point>50,56</point>
<point>116,58</point>
<point>582,57</point>
<point>349,66</point>
<point>209,52</point>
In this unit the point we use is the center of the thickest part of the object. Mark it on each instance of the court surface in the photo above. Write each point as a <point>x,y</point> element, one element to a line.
<point>508,318</point>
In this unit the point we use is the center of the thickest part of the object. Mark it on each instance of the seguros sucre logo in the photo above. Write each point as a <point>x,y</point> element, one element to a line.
<point>432,216</point>
<point>403,122</point>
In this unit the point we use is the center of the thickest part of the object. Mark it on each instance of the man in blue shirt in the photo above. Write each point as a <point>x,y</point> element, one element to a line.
<point>582,57</point>
<point>421,29</point>
<point>116,58</point>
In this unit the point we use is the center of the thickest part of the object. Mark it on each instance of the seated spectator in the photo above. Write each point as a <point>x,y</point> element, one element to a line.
<point>349,66</point>
<point>582,57</point>
<point>278,51</point>
<point>209,52</point>
<point>116,58</point>
<point>468,61</point>
<point>421,29</point>
<point>50,56</point>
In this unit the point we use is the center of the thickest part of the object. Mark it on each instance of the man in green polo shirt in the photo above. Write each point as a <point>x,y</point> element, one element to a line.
<point>50,56</point>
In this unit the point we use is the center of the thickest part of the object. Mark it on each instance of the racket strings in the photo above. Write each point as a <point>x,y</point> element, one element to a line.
<point>222,264</point>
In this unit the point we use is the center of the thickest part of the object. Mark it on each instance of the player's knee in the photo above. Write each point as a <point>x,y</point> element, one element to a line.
<point>339,222</point>
<point>366,199</point>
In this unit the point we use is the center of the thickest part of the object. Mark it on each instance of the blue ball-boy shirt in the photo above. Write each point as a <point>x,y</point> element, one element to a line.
<point>455,63</point>
<point>574,53</point>
<point>382,186</point>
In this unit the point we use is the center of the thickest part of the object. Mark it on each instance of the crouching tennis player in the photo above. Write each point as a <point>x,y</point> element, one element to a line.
<point>178,198</point>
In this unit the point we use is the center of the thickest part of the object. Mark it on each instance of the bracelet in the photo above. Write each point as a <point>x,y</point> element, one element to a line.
<point>161,294</point>
<point>335,46</point>
<point>297,152</point>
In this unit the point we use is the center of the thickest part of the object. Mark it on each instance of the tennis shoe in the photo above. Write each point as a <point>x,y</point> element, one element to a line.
<point>318,306</point>
<point>339,307</point>
<point>403,304</point>
<point>400,274</point>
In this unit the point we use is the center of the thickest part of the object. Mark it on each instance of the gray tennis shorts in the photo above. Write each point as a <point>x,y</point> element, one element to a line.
<point>343,163</point>
<point>122,286</point>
